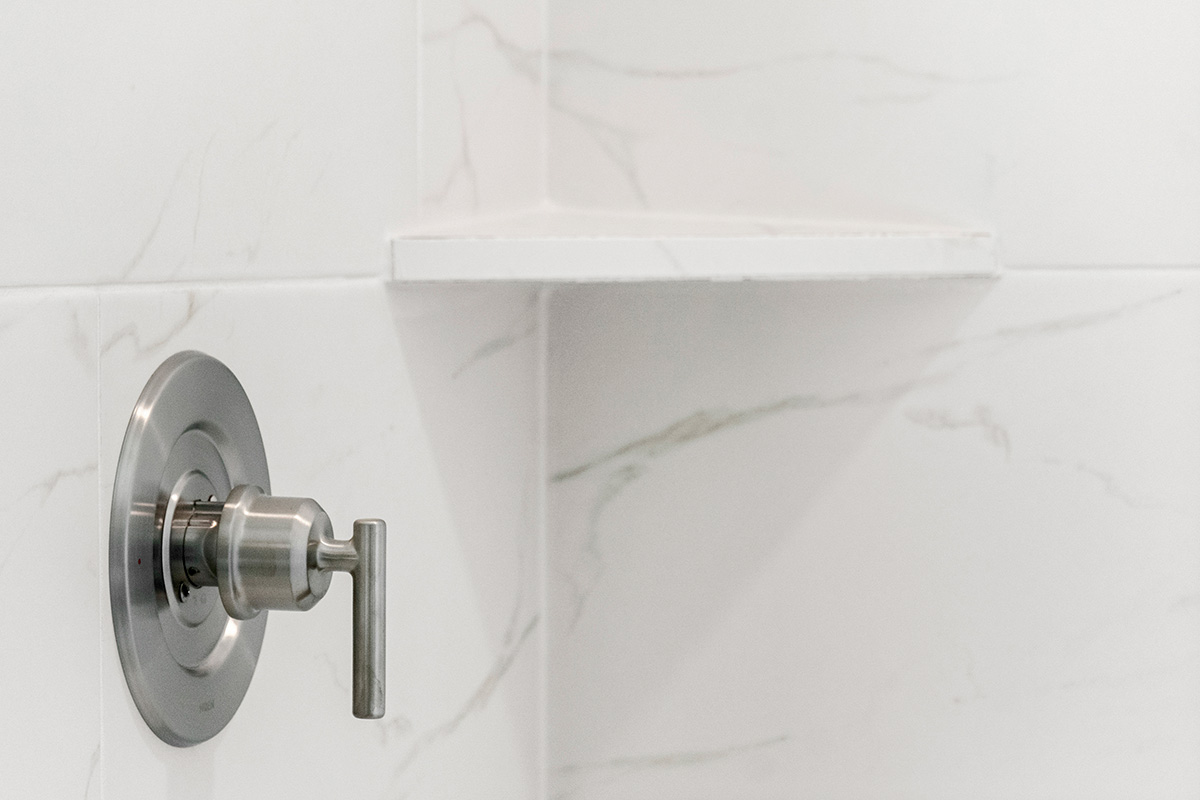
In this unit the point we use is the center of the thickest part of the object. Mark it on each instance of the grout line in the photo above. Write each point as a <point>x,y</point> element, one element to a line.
<point>102,550</point>
<point>1148,269</point>
<point>394,275</point>
<point>249,283</point>
<point>541,390</point>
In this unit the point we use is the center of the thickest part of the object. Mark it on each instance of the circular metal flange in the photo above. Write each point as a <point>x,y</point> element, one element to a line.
<point>192,436</point>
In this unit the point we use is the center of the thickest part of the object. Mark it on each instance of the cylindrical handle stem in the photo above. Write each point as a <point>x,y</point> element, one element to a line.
<point>370,592</point>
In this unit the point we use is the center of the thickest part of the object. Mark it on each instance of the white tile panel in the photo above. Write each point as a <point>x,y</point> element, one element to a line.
<point>1067,127</point>
<point>50,568</point>
<point>141,142</point>
<point>878,539</point>
<point>482,124</point>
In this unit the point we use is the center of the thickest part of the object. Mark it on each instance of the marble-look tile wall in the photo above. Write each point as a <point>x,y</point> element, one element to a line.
<point>224,178</point>
<point>50,563</point>
<point>482,108</point>
<point>1066,127</point>
<point>142,142</point>
<point>883,539</point>
<point>892,538</point>
<point>1069,127</point>
<point>896,538</point>
<point>419,407</point>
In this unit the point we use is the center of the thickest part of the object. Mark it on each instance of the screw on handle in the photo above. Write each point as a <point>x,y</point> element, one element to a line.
<point>364,556</point>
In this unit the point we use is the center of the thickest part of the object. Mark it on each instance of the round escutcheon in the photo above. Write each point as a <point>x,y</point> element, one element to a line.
<point>192,436</point>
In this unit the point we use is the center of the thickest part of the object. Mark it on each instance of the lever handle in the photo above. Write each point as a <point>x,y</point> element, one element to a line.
<point>279,553</point>
<point>370,610</point>
<point>364,556</point>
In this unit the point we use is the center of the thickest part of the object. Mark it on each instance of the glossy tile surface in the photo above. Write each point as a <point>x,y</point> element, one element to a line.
<point>231,140</point>
<point>50,631</point>
<point>876,539</point>
<point>482,129</point>
<point>862,539</point>
<point>1067,127</point>
<point>840,539</point>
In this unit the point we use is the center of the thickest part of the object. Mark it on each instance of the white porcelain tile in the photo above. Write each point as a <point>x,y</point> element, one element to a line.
<point>49,572</point>
<point>230,140</point>
<point>474,355</point>
<point>1067,127</point>
<point>877,539</point>
<point>482,107</point>
<point>329,367</point>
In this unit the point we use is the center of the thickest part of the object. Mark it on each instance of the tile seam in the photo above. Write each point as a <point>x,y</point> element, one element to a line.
<point>542,394</point>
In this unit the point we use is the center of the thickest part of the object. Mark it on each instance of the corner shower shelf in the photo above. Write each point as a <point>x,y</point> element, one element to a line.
<point>595,247</point>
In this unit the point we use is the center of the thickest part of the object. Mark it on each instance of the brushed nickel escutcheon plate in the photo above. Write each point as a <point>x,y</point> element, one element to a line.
<point>192,436</point>
<point>200,550</point>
